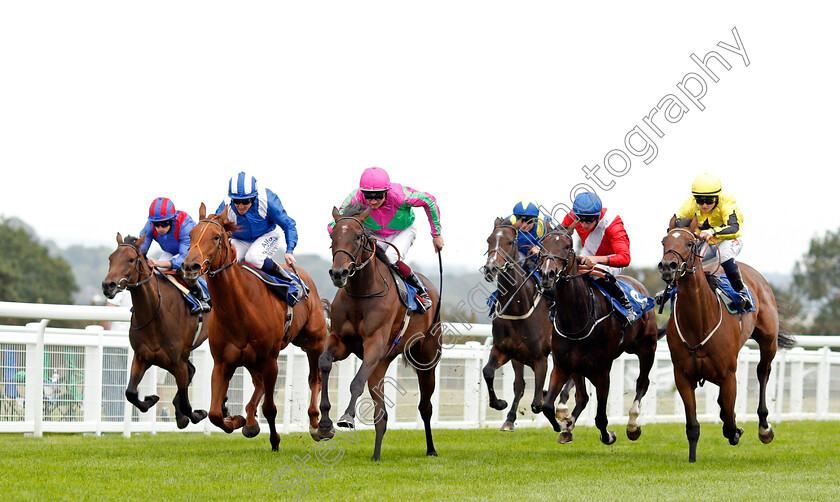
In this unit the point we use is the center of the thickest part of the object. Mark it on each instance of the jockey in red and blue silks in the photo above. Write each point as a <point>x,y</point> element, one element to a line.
<point>171,230</point>
<point>392,221</point>
<point>258,212</point>
<point>605,246</point>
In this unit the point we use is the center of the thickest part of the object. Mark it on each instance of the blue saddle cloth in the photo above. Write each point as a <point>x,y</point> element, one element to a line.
<point>638,301</point>
<point>412,292</point>
<point>293,286</point>
<point>735,298</point>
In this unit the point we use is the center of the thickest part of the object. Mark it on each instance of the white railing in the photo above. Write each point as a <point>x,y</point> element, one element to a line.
<point>84,373</point>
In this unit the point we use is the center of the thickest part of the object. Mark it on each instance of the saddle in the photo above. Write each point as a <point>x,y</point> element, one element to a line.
<point>291,289</point>
<point>721,286</point>
<point>405,290</point>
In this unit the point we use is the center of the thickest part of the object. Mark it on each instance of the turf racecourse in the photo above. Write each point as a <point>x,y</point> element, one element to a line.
<point>803,463</point>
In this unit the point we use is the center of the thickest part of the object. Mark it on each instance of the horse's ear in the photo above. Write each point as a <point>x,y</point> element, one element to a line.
<point>571,227</point>
<point>365,214</point>
<point>140,240</point>
<point>336,213</point>
<point>548,227</point>
<point>119,238</point>
<point>693,225</point>
<point>497,222</point>
<point>223,216</point>
<point>673,223</point>
<point>202,211</point>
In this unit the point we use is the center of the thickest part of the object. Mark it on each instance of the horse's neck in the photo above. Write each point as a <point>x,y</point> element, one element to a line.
<point>574,299</point>
<point>145,296</point>
<point>511,287</point>
<point>695,295</point>
<point>369,280</point>
<point>227,288</point>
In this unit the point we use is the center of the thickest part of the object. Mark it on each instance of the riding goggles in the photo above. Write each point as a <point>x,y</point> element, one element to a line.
<point>705,199</point>
<point>587,218</point>
<point>242,202</point>
<point>378,195</point>
<point>161,224</point>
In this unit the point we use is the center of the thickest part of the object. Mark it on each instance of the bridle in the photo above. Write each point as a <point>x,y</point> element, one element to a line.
<point>684,269</point>
<point>508,263</point>
<point>124,284</point>
<point>367,245</point>
<point>205,262</point>
<point>564,271</point>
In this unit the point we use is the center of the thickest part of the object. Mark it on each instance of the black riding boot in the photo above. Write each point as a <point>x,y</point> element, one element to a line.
<point>737,282</point>
<point>611,286</point>
<point>423,299</point>
<point>201,303</point>
<point>276,270</point>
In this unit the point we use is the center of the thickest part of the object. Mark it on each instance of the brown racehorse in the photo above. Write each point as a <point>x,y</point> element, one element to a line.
<point>249,327</point>
<point>521,326</point>
<point>705,338</point>
<point>366,318</point>
<point>162,331</point>
<point>589,334</point>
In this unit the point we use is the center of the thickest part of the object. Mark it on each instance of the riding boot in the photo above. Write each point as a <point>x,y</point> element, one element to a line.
<point>271,268</point>
<point>199,302</point>
<point>611,286</point>
<point>734,276</point>
<point>422,297</point>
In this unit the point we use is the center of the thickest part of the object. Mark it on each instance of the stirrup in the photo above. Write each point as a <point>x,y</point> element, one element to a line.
<point>424,302</point>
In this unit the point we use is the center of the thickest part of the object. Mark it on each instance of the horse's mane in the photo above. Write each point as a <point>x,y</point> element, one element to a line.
<point>130,240</point>
<point>682,222</point>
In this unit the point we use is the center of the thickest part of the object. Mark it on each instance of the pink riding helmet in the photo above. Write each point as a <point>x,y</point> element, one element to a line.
<point>374,179</point>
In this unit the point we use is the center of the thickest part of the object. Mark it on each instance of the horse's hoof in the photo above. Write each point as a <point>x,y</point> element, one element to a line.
<point>737,437</point>
<point>507,426</point>
<point>252,431</point>
<point>536,409</point>
<point>325,433</point>
<point>198,416</point>
<point>313,432</point>
<point>431,453</point>
<point>635,434</point>
<point>499,405</point>
<point>346,422</point>
<point>183,421</point>
<point>565,437</point>
<point>151,400</point>
<point>562,412</point>
<point>610,439</point>
<point>766,435</point>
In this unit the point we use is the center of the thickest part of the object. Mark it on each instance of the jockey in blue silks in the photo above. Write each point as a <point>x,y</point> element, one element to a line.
<point>171,230</point>
<point>532,229</point>
<point>258,212</point>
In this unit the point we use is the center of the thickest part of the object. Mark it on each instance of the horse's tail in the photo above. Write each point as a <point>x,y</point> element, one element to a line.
<point>786,339</point>
<point>660,332</point>
<point>327,311</point>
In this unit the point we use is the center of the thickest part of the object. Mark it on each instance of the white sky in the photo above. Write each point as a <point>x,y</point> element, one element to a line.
<point>106,105</point>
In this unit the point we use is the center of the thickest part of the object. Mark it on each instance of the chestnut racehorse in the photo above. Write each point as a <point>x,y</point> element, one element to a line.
<point>249,327</point>
<point>705,339</point>
<point>589,334</point>
<point>521,325</point>
<point>162,331</point>
<point>366,319</point>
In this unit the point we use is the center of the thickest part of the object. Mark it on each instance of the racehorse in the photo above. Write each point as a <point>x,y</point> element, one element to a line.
<point>368,320</point>
<point>521,325</point>
<point>705,339</point>
<point>589,334</point>
<point>250,327</point>
<point>162,331</point>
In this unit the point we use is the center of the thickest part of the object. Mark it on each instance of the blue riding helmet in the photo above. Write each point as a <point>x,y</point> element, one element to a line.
<point>242,186</point>
<point>162,209</point>
<point>587,204</point>
<point>526,207</point>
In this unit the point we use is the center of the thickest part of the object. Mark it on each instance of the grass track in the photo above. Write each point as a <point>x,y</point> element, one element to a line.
<point>802,463</point>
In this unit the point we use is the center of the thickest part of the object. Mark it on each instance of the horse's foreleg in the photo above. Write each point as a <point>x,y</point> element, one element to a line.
<point>252,427</point>
<point>334,350</point>
<point>494,362</point>
<point>692,427</point>
<point>183,410</point>
<point>558,378</point>
<point>269,377</point>
<point>646,360</point>
<point>380,418</point>
<point>726,400</point>
<point>138,369</point>
<point>518,392</point>
<point>373,351</point>
<point>562,407</point>
<point>540,368</point>
<point>765,430</point>
<point>314,389</point>
<point>219,382</point>
<point>602,393</point>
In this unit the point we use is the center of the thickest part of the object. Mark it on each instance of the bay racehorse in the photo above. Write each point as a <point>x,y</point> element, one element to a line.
<point>589,334</point>
<point>367,320</point>
<point>162,331</point>
<point>521,326</point>
<point>250,327</point>
<point>705,339</point>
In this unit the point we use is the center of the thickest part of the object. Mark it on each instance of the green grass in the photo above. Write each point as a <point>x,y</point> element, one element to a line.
<point>803,463</point>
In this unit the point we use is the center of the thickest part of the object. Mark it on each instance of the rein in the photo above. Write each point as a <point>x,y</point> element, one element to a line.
<point>355,259</point>
<point>133,285</point>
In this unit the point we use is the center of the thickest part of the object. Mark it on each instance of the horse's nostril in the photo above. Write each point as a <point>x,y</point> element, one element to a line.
<point>673,265</point>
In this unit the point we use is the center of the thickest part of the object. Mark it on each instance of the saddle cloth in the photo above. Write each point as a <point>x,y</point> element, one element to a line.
<point>723,288</point>
<point>290,291</point>
<point>638,301</point>
<point>406,291</point>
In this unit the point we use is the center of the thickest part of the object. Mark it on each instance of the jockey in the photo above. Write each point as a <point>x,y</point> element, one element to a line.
<point>605,246</point>
<point>532,228</point>
<point>392,221</point>
<point>258,212</point>
<point>171,230</point>
<point>717,216</point>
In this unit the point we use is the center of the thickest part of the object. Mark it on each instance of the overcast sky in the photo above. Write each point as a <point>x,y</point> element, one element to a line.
<point>106,105</point>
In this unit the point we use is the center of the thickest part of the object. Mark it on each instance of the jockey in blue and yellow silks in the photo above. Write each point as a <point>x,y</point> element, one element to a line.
<point>532,228</point>
<point>718,216</point>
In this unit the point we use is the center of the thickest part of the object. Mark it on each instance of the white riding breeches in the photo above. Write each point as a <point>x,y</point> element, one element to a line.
<point>402,241</point>
<point>256,252</point>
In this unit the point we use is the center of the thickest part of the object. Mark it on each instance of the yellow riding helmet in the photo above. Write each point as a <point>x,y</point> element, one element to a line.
<point>706,184</point>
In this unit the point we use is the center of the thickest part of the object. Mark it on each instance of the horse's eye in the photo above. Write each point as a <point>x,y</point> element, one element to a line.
<point>568,246</point>
<point>217,237</point>
<point>131,260</point>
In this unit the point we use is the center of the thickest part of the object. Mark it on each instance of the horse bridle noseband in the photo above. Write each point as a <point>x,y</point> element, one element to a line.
<point>683,269</point>
<point>508,261</point>
<point>205,262</point>
<point>567,260</point>
<point>367,244</point>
